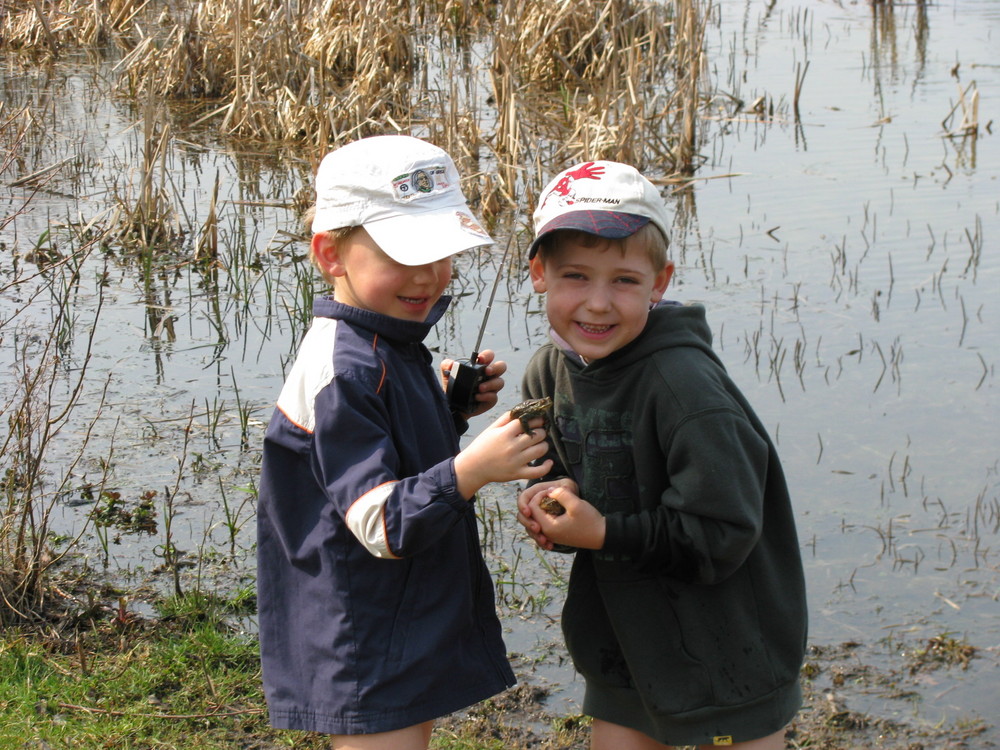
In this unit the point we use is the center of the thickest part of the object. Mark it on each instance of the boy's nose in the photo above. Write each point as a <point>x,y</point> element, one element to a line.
<point>598,299</point>
<point>429,272</point>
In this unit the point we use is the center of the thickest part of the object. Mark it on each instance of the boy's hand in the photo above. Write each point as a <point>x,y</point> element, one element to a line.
<point>502,452</point>
<point>581,526</point>
<point>486,398</point>
<point>524,507</point>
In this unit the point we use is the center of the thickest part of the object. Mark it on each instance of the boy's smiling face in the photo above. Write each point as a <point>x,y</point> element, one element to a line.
<point>597,291</point>
<point>367,278</point>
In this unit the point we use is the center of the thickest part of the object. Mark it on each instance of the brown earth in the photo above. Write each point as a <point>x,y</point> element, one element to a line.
<point>831,678</point>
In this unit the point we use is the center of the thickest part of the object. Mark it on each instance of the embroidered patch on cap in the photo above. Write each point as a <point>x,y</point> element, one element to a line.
<point>420,182</point>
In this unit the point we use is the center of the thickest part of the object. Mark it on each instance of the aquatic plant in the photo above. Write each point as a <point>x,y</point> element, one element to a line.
<point>47,387</point>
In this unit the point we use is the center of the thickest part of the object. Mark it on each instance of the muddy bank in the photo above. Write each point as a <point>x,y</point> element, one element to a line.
<point>841,692</point>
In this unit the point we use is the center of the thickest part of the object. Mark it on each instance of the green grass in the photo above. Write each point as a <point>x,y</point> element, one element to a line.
<point>104,678</point>
<point>136,684</point>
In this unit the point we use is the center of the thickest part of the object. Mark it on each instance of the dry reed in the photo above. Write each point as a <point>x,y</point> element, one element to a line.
<point>45,27</point>
<point>514,92</point>
<point>612,80</point>
<point>335,67</point>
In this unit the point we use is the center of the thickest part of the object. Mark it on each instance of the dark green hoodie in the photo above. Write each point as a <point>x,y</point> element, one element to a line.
<point>690,623</point>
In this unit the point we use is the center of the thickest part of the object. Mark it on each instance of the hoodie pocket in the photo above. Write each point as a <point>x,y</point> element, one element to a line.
<point>671,677</point>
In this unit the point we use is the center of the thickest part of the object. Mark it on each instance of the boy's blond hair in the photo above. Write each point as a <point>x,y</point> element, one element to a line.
<point>333,235</point>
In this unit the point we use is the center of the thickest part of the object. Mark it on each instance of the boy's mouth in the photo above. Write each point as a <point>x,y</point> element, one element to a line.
<point>594,330</point>
<point>414,300</point>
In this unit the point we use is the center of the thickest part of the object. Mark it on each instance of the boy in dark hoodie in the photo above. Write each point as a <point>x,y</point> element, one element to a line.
<point>686,609</point>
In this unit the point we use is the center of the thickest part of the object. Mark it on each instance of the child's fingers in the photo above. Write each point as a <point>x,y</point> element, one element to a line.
<point>525,518</point>
<point>537,472</point>
<point>534,530</point>
<point>486,398</point>
<point>494,368</point>
<point>490,387</point>
<point>524,498</point>
<point>494,384</point>
<point>560,493</point>
<point>502,420</point>
<point>536,424</point>
<point>445,366</point>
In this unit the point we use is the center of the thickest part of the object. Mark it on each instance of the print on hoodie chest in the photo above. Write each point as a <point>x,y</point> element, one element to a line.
<point>598,445</point>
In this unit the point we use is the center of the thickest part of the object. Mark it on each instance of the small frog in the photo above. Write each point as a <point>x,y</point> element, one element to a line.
<point>528,410</point>
<point>551,506</point>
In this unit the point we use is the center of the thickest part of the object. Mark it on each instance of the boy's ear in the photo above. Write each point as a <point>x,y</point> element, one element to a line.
<point>537,269</point>
<point>661,282</point>
<point>328,255</point>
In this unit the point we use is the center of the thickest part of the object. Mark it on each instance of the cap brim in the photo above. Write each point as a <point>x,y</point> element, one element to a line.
<point>416,239</point>
<point>612,225</point>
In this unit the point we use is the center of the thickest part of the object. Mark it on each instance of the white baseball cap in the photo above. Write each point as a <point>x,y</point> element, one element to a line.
<point>605,198</point>
<point>404,191</point>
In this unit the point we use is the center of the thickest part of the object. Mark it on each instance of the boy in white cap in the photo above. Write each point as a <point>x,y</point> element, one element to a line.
<point>686,610</point>
<point>376,609</point>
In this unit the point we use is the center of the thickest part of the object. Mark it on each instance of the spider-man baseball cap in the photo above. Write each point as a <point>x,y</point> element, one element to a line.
<point>605,198</point>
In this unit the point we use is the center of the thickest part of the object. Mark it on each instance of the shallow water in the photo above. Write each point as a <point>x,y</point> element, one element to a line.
<point>847,259</point>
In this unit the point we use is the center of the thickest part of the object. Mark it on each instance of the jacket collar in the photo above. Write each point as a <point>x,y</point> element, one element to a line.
<point>396,329</point>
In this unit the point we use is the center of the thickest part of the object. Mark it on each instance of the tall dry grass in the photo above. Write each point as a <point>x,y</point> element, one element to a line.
<point>517,90</point>
<point>617,79</point>
<point>35,468</point>
<point>44,26</point>
<point>49,400</point>
<point>281,71</point>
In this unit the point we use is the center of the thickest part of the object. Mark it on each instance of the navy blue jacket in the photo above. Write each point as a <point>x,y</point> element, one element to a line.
<point>376,609</point>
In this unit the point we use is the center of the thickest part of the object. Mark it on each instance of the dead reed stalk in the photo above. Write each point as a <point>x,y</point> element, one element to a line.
<point>689,54</point>
<point>148,218</point>
<point>968,103</point>
<point>507,140</point>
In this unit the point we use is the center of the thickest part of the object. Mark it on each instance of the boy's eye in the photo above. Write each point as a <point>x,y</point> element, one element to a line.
<point>627,280</point>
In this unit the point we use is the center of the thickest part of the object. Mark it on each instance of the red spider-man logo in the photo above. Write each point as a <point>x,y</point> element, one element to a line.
<point>584,172</point>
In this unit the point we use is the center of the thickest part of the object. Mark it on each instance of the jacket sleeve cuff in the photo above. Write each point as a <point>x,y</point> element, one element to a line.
<point>448,486</point>
<point>622,533</point>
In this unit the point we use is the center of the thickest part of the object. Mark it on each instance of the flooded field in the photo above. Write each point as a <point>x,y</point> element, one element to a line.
<point>841,229</point>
